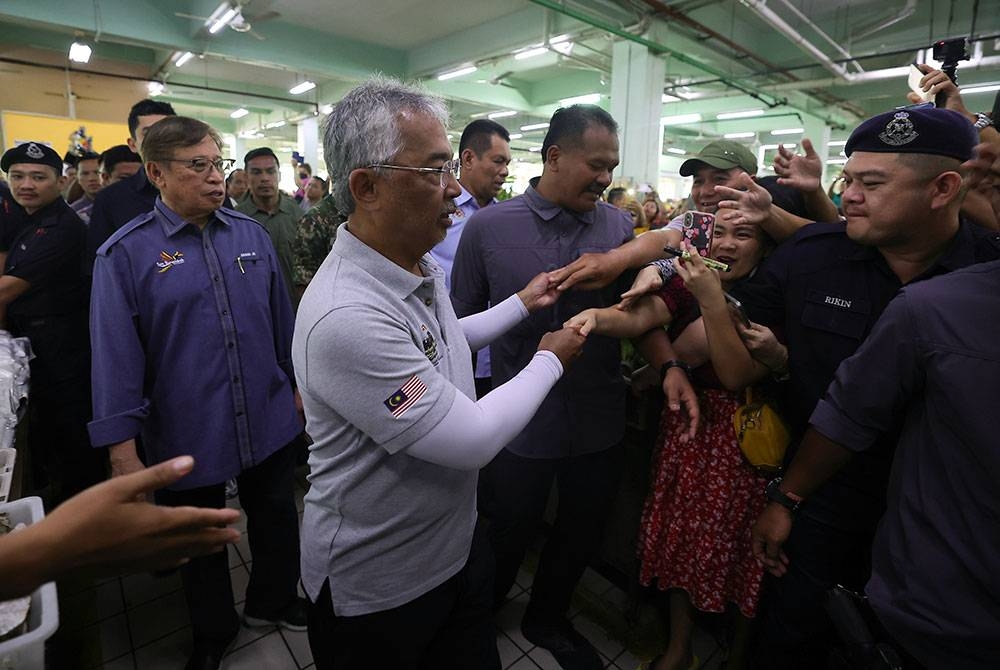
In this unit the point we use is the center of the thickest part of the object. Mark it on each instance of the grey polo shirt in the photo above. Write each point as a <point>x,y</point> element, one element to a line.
<point>502,248</point>
<point>379,356</point>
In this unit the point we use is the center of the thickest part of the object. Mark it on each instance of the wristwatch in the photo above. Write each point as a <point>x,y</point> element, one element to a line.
<point>788,500</point>
<point>982,121</point>
<point>674,363</point>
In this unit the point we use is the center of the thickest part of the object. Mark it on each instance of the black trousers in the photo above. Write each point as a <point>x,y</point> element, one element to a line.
<point>266,494</point>
<point>513,491</point>
<point>449,627</point>
<point>793,629</point>
<point>59,407</point>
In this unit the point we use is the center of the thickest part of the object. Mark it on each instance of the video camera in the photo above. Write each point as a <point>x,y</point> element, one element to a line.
<point>949,53</point>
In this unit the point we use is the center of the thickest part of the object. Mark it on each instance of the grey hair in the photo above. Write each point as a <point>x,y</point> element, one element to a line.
<point>363,129</point>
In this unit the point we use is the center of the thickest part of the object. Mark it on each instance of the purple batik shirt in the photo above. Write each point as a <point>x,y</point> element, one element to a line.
<point>192,334</point>
<point>502,248</point>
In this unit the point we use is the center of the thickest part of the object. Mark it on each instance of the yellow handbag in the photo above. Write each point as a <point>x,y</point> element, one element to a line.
<point>762,435</point>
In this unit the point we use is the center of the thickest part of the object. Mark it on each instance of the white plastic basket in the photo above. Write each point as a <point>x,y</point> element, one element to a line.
<point>27,651</point>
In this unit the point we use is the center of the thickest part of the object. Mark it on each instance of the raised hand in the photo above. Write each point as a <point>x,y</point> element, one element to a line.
<point>750,203</point>
<point>585,321</point>
<point>589,271</point>
<point>703,282</point>
<point>802,172</point>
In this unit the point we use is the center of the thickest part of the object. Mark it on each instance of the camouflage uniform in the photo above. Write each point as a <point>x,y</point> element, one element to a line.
<point>316,232</point>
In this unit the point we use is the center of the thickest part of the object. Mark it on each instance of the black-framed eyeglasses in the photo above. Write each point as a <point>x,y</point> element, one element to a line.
<point>449,169</point>
<point>200,165</point>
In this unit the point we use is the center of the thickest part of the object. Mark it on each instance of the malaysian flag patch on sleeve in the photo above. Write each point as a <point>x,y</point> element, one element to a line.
<point>405,397</point>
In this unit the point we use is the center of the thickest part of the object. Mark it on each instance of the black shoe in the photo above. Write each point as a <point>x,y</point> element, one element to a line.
<point>292,617</point>
<point>208,655</point>
<point>571,650</point>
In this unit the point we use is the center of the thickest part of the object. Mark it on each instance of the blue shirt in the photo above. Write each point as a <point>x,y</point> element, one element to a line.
<point>192,335</point>
<point>114,206</point>
<point>930,372</point>
<point>502,248</point>
<point>826,291</point>
<point>444,254</point>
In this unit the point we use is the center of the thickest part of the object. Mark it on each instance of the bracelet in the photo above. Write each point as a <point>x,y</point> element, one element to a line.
<point>786,499</point>
<point>982,121</point>
<point>666,268</point>
<point>674,363</point>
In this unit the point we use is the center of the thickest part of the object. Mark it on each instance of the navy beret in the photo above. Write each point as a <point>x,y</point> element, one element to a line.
<point>32,152</point>
<point>916,131</point>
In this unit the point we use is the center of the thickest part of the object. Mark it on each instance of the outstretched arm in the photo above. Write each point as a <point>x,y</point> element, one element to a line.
<point>648,312</point>
<point>104,530</point>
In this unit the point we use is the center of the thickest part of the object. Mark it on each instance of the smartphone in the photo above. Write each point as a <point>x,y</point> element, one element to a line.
<point>736,307</point>
<point>698,229</point>
<point>914,81</point>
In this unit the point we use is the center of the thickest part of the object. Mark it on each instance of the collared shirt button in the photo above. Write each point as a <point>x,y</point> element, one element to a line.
<point>239,413</point>
<point>225,312</point>
<point>428,301</point>
<point>230,345</point>
<point>215,277</point>
<point>236,379</point>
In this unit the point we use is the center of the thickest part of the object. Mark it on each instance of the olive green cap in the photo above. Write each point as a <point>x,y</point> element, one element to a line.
<point>723,155</point>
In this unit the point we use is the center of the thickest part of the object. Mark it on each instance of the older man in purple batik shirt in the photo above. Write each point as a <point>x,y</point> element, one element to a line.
<point>192,329</point>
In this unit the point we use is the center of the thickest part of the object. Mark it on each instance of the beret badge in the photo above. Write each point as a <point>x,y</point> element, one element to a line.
<point>899,130</point>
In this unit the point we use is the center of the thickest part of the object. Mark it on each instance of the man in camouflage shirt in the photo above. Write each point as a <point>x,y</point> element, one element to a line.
<point>316,232</point>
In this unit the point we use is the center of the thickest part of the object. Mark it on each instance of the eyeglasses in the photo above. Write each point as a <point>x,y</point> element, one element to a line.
<point>449,169</point>
<point>199,165</point>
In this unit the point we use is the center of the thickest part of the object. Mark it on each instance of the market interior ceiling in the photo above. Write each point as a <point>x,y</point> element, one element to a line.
<point>839,60</point>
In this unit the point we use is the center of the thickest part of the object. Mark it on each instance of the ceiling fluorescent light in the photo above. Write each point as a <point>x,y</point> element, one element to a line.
<point>535,126</point>
<point>155,88</point>
<point>836,161</point>
<point>679,119</point>
<point>564,48</point>
<point>326,109</point>
<point>222,21</point>
<point>739,136</point>
<point>836,143</point>
<point>531,53</point>
<point>516,136</point>
<point>745,114</point>
<point>788,131</point>
<point>588,99</point>
<point>502,115</point>
<point>559,38</point>
<point>445,76</point>
<point>239,113</point>
<point>80,52</point>
<point>981,89</point>
<point>534,148</point>
<point>183,58</point>
<point>302,88</point>
<point>675,150</point>
<point>275,124</point>
<point>669,98</point>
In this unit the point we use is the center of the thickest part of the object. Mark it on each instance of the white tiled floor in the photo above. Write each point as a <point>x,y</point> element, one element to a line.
<point>140,622</point>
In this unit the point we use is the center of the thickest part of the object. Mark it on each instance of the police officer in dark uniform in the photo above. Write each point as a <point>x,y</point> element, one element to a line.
<point>826,288</point>
<point>44,298</point>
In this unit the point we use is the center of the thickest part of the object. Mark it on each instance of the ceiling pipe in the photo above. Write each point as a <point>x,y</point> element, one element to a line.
<point>772,19</point>
<point>819,31</point>
<point>894,17</point>
<point>655,47</point>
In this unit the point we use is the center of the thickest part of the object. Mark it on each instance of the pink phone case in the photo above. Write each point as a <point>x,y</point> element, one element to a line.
<point>698,228</point>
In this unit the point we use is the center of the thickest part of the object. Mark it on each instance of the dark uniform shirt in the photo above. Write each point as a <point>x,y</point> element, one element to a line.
<point>932,363</point>
<point>502,248</point>
<point>114,206</point>
<point>11,214</point>
<point>826,292</point>
<point>45,251</point>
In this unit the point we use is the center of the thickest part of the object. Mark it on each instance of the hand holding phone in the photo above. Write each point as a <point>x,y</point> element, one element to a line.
<point>736,307</point>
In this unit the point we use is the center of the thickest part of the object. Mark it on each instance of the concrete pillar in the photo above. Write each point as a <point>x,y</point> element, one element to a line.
<point>308,130</point>
<point>636,101</point>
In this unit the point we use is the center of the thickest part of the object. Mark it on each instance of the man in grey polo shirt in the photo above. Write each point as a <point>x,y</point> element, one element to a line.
<point>391,559</point>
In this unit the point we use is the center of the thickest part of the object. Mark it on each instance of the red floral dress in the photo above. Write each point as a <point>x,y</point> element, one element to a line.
<point>703,498</point>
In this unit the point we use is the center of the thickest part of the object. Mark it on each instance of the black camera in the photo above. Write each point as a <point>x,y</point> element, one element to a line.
<point>951,51</point>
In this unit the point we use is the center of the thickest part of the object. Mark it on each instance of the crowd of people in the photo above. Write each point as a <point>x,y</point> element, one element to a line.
<point>447,359</point>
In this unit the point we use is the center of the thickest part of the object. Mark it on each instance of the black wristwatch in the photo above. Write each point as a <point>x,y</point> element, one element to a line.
<point>789,501</point>
<point>674,363</point>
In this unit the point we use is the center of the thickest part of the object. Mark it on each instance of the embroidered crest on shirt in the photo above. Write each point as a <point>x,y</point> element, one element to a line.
<point>168,261</point>
<point>34,151</point>
<point>405,396</point>
<point>899,130</point>
<point>429,344</point>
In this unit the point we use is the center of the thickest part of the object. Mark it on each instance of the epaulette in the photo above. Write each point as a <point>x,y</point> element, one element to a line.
<point>137,222</point>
